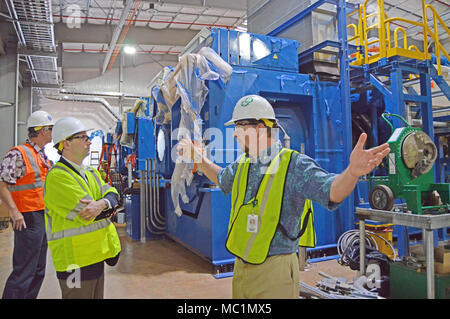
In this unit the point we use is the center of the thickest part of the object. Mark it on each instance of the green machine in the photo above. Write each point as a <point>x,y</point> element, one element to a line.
<point>410,166</point>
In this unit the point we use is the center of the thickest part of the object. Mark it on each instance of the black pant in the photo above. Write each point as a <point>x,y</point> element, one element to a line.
<point>29,259</point>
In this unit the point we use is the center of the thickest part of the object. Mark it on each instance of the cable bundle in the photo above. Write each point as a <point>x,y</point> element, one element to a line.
<point>351,238</point>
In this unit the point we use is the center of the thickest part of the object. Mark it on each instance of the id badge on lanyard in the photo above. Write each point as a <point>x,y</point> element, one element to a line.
<point>252,221</point>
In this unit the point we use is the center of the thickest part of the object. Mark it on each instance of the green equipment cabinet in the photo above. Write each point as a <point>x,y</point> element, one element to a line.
<point>408,283</point>
<point>410,165</point>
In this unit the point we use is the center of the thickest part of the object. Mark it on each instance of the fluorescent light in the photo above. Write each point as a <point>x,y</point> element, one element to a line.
<point>128,49</point>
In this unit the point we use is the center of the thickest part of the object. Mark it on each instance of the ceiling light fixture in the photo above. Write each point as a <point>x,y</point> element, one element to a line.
<point>128,49</point>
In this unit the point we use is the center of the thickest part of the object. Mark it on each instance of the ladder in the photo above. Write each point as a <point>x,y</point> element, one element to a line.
<point>95,158</point>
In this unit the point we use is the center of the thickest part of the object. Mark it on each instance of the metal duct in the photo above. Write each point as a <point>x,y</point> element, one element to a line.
<point>33,22</point>
<point>87,99</point>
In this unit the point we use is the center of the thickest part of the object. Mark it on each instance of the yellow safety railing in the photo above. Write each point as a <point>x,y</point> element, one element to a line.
<point>382,46</point>
<point>435,35</point>
<point>357,37</point>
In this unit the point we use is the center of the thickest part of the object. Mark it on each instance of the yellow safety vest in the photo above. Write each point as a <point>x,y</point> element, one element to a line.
<point>73,241</point>
<point>249,242</point>
<point>307,232</point>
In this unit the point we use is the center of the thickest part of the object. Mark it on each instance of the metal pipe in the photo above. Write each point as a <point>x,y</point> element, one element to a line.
<point>429,250</point>
<point>435,123</point>
<point>130,175</point>
<point>149,218</point>
<point>156,196</point>
<point>116,34</point>
<point>149,211</point>
<point>362,247</point>
<point>87,99</point>
<point>142,206</point>
<point>153,219</point>
<point>67,90</point>
<point>154,21</point>
<point>157,199</point>
<point>121,72</point>
<point>152,172</point>
<point>16,101</point>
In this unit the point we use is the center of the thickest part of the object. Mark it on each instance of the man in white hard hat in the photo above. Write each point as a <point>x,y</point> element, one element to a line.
<point>78,205</point>
<point>22,174</point>
<point>271,192</point>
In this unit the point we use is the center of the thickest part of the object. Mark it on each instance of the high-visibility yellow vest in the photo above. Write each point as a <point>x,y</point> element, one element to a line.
<point>73,241</point>
<point>253,246</point>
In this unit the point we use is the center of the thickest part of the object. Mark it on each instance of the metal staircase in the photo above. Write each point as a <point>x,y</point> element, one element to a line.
<point>390,67</point>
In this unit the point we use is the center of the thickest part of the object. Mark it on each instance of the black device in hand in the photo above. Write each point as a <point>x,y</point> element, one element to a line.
<point>105,214</point>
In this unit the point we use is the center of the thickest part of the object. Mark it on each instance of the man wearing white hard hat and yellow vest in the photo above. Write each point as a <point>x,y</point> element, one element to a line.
<point>78,204</point>
<point>271,192</point>
<point>22,174</point>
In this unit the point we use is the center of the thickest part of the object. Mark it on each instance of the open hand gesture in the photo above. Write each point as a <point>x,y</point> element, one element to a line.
<point>363,161</point>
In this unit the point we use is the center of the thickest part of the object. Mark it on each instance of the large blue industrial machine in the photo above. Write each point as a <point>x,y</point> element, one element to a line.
<point>136,148</point>
<point>309,111</point>
<point>322,119</point>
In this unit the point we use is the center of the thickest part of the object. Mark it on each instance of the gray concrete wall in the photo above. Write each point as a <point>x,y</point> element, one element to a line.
<point>24,112</point>
<point>8,65</point>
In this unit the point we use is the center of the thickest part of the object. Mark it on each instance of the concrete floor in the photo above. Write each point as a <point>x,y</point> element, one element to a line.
<point>157,269</point>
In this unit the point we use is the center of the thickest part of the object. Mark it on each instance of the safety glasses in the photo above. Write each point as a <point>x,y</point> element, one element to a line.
<point>84,138</point>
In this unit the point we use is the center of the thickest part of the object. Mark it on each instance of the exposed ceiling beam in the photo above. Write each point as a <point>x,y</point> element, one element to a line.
<point>94,33</point>
<point>229,4</point>
<point>117,33</point>
<point>45,86</point>
<point>40,53</point>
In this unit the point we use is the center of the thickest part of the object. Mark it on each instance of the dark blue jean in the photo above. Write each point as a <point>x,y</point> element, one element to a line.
<point>29,259</point>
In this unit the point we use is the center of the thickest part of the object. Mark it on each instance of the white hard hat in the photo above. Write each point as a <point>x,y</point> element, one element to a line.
<point>252,107</point>
<point>39,118</point>
<point>66,127</point>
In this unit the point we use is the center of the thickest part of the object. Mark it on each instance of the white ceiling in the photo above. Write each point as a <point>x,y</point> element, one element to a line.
<point>184,15</point>
<point>155,16</point>
<point>86,30</point>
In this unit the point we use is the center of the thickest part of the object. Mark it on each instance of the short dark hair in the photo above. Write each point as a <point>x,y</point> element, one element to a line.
<point>32,132</point>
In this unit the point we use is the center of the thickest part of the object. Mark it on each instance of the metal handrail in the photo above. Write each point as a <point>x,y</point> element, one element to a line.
<point>435,36</point>
<point>358,36</point>
<point>384,36</point>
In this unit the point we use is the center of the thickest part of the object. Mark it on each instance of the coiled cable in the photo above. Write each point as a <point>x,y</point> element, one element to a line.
<point>351,238</point>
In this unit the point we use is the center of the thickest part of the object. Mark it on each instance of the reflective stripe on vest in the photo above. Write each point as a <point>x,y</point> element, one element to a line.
<point>17,188</point>
<point>253,247</point>
<point>74,213</point>
<point>36,171</point>
<point>74,242</point>
<point>74,231</point>
<point>27,193</point>
<point>104,188</point>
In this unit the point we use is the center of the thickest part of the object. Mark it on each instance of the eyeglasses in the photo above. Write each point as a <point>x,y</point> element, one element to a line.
<point>242,125</point>
<point>85,138</point>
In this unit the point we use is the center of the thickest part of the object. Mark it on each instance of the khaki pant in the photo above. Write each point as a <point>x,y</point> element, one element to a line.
<point>276,278</point>
<point>90,289</point>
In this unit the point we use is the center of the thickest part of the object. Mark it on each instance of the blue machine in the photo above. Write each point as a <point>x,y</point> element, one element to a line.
<point>310,111</point>
<point>146,199</point>
<point>323,120</point>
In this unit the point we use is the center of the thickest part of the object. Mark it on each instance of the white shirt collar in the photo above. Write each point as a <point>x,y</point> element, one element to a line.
<point>80,168</point>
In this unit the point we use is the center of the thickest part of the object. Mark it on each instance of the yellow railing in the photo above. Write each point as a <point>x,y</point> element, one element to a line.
<point>435,35</point>
<point>382,46</point>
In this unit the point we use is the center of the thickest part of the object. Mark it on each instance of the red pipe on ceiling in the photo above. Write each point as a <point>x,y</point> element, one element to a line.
<point>151,21</point>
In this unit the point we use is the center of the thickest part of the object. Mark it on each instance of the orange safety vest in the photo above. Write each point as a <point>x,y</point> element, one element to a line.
<point>28,192</point>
